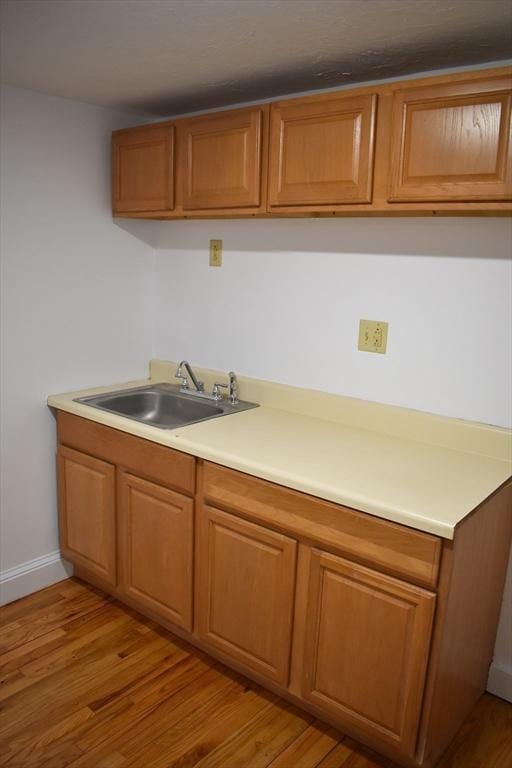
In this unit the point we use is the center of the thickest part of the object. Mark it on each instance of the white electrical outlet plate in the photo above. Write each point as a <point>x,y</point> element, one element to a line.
<point>215,253</point>
<point>373,336</point>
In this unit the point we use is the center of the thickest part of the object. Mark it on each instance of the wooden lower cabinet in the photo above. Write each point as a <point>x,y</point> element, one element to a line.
<point>87,512</point>
<point>156,528</point>
<point>246,588</point>
<point>384,632</point>
<point>366,649</point>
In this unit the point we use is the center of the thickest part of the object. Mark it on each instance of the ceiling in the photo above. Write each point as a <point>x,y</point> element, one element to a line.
<point>166,57</point>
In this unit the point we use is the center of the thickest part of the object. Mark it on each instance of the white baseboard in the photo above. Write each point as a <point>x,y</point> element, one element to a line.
<point>500,681</point>
<point>33,575</point>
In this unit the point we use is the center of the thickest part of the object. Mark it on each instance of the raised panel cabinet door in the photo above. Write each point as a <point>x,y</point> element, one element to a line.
<point>222,160</point>
<point>321,151</point>
<point>156,548</point>
<point>87,512</point>
<point>142,169</point>
<point>246,589</point>
<point>452,142</point>
<point>366,649</point>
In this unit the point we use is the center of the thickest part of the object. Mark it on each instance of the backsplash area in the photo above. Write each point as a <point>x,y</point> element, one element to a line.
<point>286,304</point>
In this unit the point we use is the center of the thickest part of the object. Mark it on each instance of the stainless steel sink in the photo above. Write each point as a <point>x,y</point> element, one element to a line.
<point>162,405</point>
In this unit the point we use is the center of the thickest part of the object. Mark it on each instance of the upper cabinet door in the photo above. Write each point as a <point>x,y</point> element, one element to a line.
<point>142,169</point>
<point>321,151</point>
<point>222,159</point>
<point>452,142</point>
<point>366,651</point>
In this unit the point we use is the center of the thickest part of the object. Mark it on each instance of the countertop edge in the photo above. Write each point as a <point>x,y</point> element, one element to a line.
<point>191,447</point>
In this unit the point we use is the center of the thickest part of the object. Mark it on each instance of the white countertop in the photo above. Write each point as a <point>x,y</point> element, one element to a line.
<point>424,485</point>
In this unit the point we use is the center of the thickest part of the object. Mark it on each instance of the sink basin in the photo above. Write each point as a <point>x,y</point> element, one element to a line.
<point>162,405</point>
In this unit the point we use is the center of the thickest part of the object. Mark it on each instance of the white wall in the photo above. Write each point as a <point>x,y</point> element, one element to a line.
<point>287,302</point>
<point>77,295</point>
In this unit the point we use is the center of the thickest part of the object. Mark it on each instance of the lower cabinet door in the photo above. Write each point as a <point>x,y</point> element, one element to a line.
<point>87,512</point>
<point>366,649</point>
<point>156,548</point>
<point>246,588</point>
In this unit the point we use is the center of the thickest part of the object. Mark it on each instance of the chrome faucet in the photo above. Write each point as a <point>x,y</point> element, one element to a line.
<point>198,390</point>
<point>199,386</point>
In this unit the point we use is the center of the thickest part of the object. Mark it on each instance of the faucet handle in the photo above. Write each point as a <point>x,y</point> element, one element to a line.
<point>216,394</point>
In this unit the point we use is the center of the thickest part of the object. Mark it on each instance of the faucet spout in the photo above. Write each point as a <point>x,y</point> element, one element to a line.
<point>199,386</point>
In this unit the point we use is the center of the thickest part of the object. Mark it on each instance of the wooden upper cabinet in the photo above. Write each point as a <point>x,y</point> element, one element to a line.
<point>384,148</point>
<point>142,169</point>
<point>321,151</point>
<point>452,142</point>
<point>156,548</point>
<point>366,649</point>
<point>222,159</point>
<point>246,577</point>
<point>87,513</point>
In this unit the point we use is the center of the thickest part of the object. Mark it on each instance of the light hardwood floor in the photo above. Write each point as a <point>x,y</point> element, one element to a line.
<point>86,682</point>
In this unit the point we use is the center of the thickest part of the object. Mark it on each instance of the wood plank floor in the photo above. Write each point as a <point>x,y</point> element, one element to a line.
<point>88,683</point>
